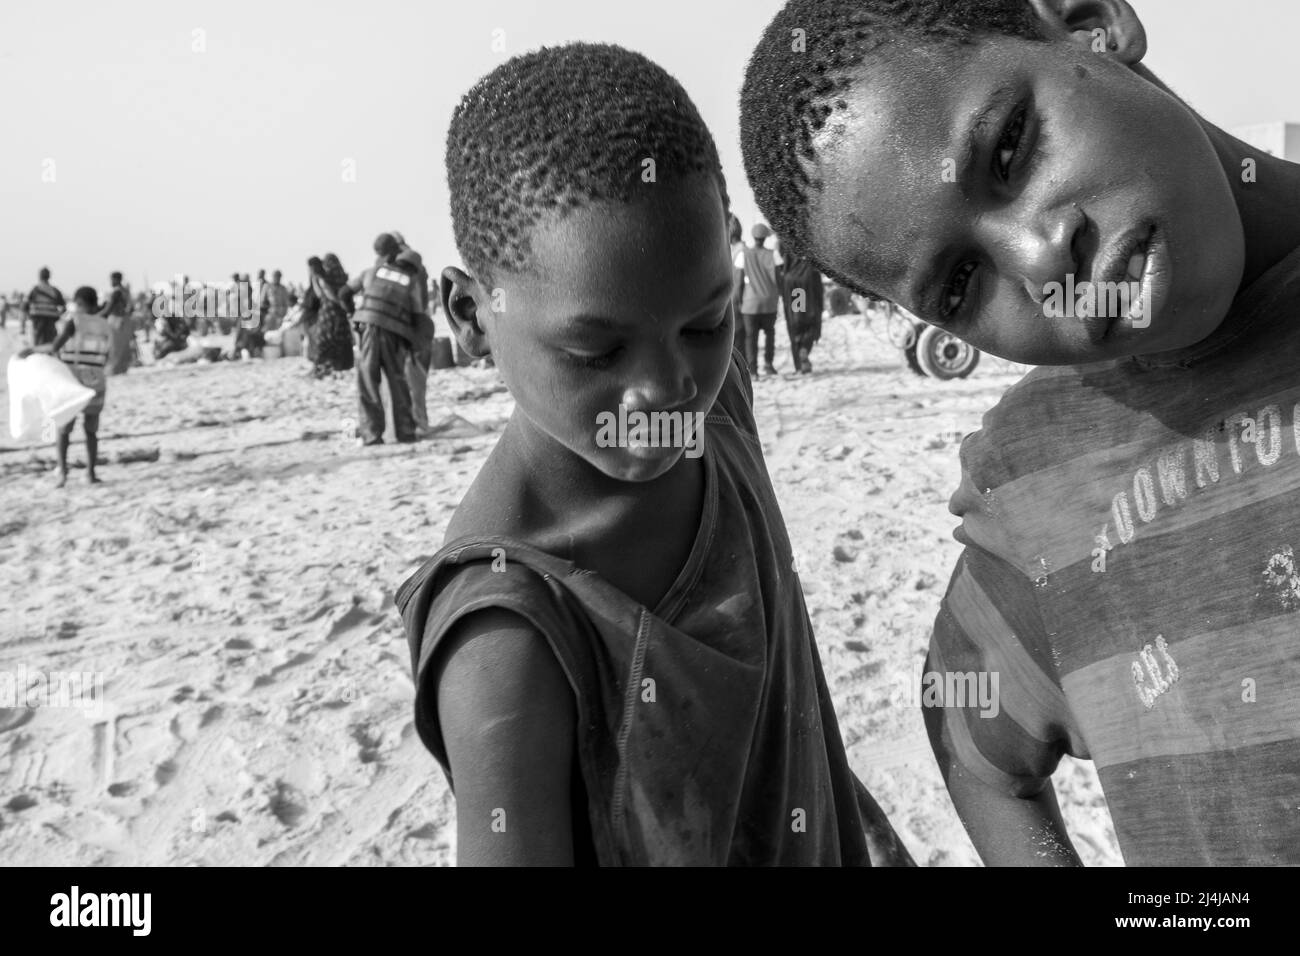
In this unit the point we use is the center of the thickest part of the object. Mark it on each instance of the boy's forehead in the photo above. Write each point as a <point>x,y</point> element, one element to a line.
<point>613,252</point>
<point>679,220</point>
<point>891,151</point>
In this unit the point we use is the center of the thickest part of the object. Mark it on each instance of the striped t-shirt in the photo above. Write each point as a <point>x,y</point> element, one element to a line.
<point>1132,576</point>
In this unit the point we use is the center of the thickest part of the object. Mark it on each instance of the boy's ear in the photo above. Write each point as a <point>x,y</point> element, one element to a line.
<point>459,292</point>
<point>1106,27</point>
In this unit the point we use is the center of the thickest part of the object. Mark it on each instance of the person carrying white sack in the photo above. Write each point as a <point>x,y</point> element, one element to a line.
<point>83,344</point>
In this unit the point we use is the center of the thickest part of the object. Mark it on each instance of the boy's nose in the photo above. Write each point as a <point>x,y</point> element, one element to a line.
<point>1045,249</point>
<point>662,388</point>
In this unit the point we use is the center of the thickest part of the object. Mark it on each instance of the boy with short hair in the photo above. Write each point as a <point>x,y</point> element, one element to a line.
<point>83,343</point>
<point>1130,510</point>
<point>613,660</point>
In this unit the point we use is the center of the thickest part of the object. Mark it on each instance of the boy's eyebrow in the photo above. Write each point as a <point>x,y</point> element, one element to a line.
<point>979,119</point>
<point>578,322</point>
<point>604,323</point>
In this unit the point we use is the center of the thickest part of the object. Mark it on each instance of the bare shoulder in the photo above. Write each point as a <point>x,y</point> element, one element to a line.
<point>495,666</point>
<point>509,724</point>
<point>494,503</point>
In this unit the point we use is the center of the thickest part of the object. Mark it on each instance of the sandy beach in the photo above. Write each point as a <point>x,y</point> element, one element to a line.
<point>232,580</point>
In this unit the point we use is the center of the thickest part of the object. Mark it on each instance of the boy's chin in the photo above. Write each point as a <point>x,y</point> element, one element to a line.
<point>635,465</point>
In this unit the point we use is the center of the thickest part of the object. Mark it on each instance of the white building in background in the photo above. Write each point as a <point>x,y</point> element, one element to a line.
<point>1277,139</point>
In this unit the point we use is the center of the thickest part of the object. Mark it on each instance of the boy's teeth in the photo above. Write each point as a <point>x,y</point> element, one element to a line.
<point>1135,262</point>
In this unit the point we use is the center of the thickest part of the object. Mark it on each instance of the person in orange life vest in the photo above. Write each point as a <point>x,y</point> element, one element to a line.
<point>43,305</point>
<point>420,356</point>
<point>83,344</point>
<point>390,298</point>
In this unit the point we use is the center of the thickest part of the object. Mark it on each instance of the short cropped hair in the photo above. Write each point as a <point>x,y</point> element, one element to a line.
<point>557,129</point>
<point>795,81</point>
<point>87,298</point>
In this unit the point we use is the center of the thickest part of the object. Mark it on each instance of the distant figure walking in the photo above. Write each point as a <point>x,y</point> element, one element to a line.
<point>273,302</point>
<point>420,357</point>
<point>116,311</point>
<point>803,299</point>
<point>736,236</point>
<point>758,268</point>
<point>43,305</point>
<point>389,301</point>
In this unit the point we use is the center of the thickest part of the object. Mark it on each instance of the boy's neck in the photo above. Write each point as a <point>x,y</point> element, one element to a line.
<point>578,495</point>
<point>1269,204</point>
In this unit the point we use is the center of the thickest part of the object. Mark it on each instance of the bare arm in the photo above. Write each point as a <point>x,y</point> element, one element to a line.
<point>52,348</point>
<point>508,723</point>
<point>1006,830</point>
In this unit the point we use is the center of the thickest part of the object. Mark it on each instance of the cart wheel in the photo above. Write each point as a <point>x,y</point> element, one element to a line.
<point>942,355</point>
<point>909,353</point>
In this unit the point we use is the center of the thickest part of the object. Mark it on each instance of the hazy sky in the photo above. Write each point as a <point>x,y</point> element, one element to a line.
<point>212,137</point>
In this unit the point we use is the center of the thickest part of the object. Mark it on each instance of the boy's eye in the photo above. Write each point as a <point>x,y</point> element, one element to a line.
<point>711,332</point>
<point>954,295</point>
<point>588,360</point>
<point>1009,143</point>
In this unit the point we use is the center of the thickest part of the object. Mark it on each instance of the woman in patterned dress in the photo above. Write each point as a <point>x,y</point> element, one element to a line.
<point>331,336</point>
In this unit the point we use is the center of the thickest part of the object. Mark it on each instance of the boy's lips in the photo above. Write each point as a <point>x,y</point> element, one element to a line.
<point>1133,259</point>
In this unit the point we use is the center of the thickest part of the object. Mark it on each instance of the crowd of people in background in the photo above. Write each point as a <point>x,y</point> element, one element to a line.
<point>323,310</point>
<point>378,323</point>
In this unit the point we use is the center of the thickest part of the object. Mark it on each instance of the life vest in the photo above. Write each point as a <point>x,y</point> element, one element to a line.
<point>44,302</point>
<point>86,352</point>
<point>387,300</point>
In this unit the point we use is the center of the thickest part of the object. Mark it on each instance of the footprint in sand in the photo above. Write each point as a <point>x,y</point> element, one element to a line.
<point>11,718</point>
<point>302,657</point>
<point>369,742</point>
<point>287,804</point>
